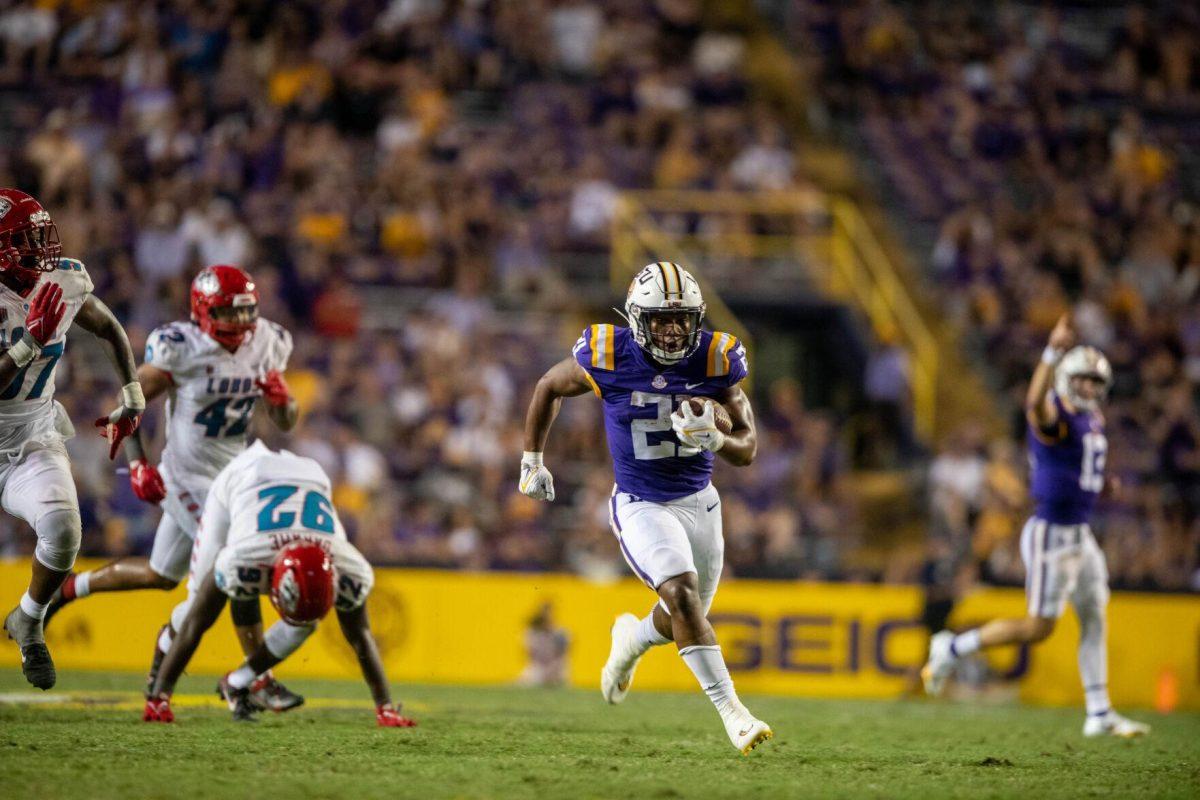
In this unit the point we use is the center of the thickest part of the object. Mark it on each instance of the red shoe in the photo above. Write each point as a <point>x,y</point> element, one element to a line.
<point>388,716</point>
<point>158,709</point>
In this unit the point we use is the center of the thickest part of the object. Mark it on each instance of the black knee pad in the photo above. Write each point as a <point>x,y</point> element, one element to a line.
<point>245,612</point>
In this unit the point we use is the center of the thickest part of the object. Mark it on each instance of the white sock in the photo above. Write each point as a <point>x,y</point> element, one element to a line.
<point>648,635</point>
<point>83,584</point>
<point>241,677</point>
<point>1093,661</point>
<point>164,640</point>
<point>965,643</point>
<point>708,665</point>
<point>33,608</point>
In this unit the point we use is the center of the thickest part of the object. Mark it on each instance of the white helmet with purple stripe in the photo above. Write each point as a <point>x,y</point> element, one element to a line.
<point>664,308</point>
<point>1083,362</point>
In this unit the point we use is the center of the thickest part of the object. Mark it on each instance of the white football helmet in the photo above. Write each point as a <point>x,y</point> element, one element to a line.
<point>1082,362</point>
<point>668,289</point>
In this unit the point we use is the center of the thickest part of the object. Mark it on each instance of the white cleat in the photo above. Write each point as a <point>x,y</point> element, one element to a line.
<point>1113,724</point>
<point>617,674</point>
<point>746,732</point>
<point>940,664</point>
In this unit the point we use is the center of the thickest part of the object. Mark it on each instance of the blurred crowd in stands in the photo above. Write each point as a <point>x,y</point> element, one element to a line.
<point>448,152</point>
<point>1056,150</point>
<point>454,155</point>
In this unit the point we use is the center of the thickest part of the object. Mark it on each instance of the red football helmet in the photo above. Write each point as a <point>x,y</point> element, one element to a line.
<point>29,243</point>
<point>302,583</point>
<point>225,304</point>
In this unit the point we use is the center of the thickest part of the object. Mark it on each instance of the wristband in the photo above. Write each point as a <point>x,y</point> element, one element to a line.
<point>1051,355</point>
<point>531,458</point>
<point>132,397</point>
<point>25,349</point>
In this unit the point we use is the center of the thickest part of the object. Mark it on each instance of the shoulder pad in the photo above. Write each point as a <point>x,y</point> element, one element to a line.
<point>168,346</point>
<point>73,278</point>
<point>279,344</point>
<point>717,362</point>
<point>598,344</point>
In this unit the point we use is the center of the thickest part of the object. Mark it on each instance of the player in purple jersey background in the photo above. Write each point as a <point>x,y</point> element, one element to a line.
<point>664,510</point>
<point>1067,451</point>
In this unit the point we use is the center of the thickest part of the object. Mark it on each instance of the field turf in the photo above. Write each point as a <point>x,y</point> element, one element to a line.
<point>529,743</point>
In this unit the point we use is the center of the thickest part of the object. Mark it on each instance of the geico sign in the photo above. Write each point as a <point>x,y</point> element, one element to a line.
<point>824,644</point>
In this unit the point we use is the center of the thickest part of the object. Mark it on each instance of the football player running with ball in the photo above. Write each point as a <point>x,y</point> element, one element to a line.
<point>41,294</point>
<point>269,527</point>
<point>213,369</point>
<point>1067,449</point>
<point>664,511</point>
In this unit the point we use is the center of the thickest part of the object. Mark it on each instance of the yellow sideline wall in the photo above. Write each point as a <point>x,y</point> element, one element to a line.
<point>814,639</point>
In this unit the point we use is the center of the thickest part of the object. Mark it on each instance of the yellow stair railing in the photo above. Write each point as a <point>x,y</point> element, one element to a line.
<point>824,235</point>
<point>866,273</point>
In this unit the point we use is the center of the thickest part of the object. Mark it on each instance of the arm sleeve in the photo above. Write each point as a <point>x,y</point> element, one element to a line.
<point>354,574</point>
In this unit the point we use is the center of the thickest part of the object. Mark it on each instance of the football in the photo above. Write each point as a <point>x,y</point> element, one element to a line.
<point>721,416</point>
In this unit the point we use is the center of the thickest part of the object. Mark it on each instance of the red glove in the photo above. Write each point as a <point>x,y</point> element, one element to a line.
<point>389,717</point>
<point>116,430</point>
<point>275,389</point>
<point>45,313</point>
<point>158,709</point>
<point>125,419</point>
<point>146,482</point>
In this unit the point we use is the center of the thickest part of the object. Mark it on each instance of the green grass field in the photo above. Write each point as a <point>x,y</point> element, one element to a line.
<point>517,743</point>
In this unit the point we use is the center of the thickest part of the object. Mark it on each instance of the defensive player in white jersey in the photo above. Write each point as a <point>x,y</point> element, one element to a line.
<point>665,512</point>
<point>1067,451</point>
<point>270,528</point>
<point>214,369</point>
<point>41,294</point>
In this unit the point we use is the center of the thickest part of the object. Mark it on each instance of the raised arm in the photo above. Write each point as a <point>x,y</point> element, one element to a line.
<point>564,379</point>
<point>1039,409</point>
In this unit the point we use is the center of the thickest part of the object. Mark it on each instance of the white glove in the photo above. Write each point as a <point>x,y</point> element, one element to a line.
<point>536,480</point>
<point>697,430</point>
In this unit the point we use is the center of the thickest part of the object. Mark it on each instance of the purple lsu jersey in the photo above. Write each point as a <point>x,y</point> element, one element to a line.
<point>1067,465</point>
<point>639,397</point>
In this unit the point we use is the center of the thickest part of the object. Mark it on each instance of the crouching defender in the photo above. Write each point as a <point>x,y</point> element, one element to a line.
<point>268,527</point>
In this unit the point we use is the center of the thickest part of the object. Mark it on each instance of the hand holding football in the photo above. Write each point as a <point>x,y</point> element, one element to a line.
<point>720,415</point>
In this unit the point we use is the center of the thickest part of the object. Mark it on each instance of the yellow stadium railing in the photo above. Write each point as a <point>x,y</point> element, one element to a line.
<point>825,236</point>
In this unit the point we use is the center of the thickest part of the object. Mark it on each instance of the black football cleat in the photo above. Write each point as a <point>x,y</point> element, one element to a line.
<point>36,663</point>
<point>268,694</point>
<point>238,699</point>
